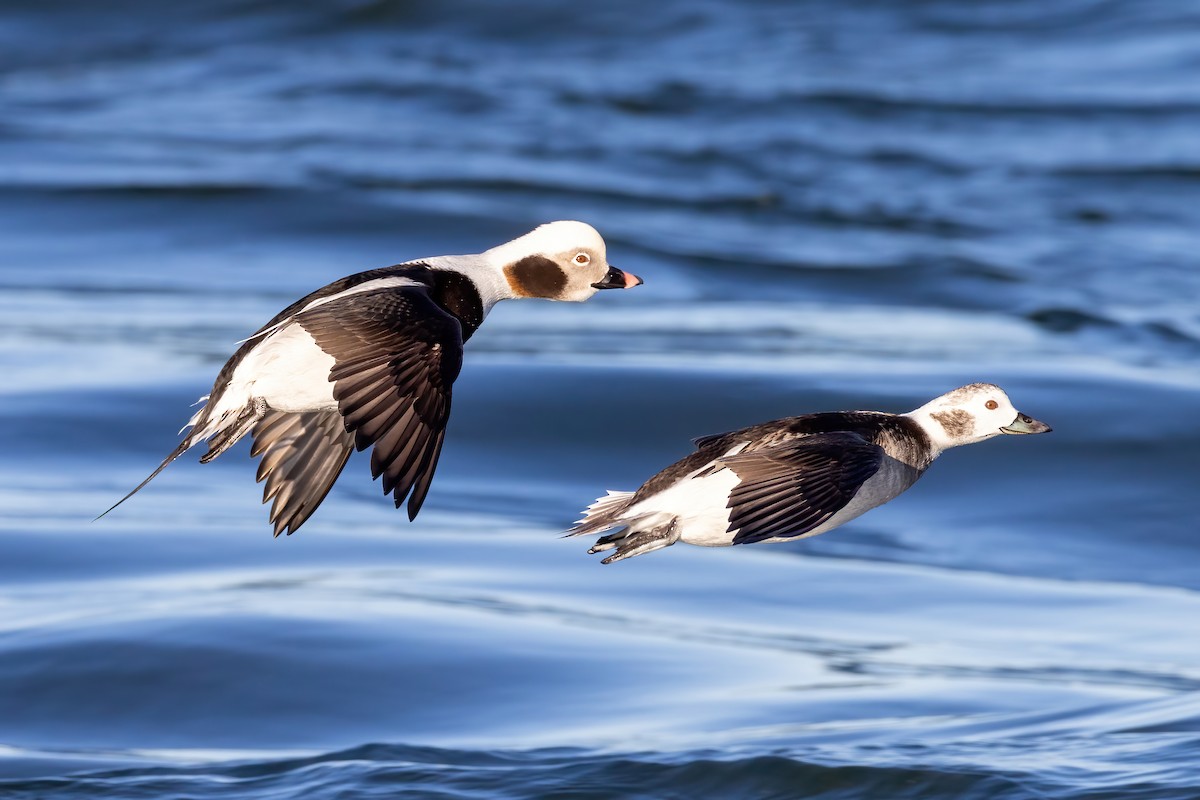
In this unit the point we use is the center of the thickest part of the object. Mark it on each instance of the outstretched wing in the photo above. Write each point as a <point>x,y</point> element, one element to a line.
<point>790,489</point>
<point>302,455</point>
<point>396,355</point>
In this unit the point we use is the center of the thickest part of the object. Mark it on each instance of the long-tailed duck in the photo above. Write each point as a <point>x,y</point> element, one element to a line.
<point>795,477</point>
<point>370,360</point>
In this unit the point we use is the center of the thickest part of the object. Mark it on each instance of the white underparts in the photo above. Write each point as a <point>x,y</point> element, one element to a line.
<point>287,371</point>
<point>699,505</point>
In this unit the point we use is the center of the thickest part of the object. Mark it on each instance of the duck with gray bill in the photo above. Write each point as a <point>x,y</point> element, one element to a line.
<point>370,360</point>
<point>795,477</point>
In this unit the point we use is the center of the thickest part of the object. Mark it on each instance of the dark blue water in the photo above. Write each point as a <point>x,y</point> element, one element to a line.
<point>834,205</point>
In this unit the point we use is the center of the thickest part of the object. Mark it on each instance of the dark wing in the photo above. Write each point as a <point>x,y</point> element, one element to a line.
<point>396,355</point>
<point>790,489</point>
<point>702,442</point>
<point>302,455</point>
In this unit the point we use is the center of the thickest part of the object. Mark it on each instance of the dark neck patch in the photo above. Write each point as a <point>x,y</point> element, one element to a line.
<point>900,437</point>
<point>905,440</point>
<point>452,291</point>
<point>456,293</point>
<point>535,276</point>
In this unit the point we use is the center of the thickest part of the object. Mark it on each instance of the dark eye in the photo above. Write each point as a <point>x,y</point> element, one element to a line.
<point>582,258</point>
<point>992,405</point>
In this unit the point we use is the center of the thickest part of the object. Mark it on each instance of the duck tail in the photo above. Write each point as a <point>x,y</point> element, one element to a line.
<point>602,514</point>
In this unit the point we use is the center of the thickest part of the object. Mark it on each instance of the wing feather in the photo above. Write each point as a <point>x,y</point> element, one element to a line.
<point>396,357</point>
<point>302,456</point>
<point>790,489</point>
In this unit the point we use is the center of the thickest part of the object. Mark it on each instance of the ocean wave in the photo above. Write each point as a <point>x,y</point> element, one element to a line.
<point>385,770</point>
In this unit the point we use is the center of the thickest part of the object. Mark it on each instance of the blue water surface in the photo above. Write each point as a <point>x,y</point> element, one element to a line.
<point>834,205</point>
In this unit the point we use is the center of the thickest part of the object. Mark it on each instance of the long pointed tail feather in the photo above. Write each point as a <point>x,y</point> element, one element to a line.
<point>176,453</point>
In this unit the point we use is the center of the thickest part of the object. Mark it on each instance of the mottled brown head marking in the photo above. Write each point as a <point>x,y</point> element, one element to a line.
<point>535,276</point>
<point>956,422</point>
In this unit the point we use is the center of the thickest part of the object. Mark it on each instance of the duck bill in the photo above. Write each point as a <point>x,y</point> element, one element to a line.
<point>1026,424</point>
<point>617,279</point>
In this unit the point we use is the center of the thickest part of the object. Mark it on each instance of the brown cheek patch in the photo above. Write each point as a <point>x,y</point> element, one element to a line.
<point>956,423</point>
<point>535,276</point>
